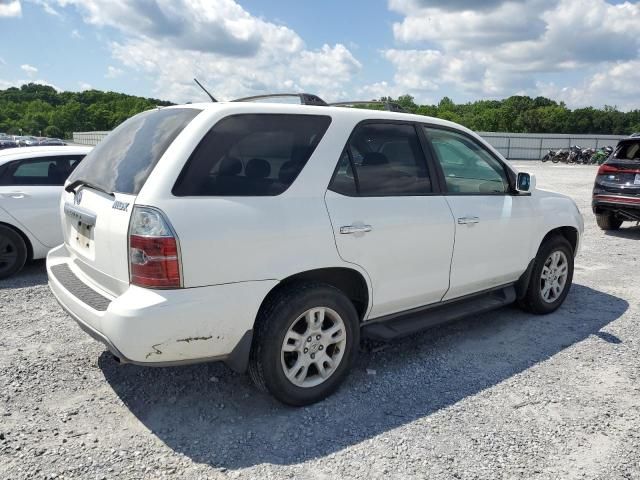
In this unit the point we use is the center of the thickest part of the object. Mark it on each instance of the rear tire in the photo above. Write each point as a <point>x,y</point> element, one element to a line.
<point>551,277</point>
<point>607,221</point>
<point>306,340</point>
<point>13,252</point>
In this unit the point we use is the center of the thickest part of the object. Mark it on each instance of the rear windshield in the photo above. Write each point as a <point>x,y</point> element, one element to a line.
<point>251,155</point>
<point>123,161</point>
<point>629,150</point>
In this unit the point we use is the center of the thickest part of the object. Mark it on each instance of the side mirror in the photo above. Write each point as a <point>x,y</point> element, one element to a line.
<point>525,182</point>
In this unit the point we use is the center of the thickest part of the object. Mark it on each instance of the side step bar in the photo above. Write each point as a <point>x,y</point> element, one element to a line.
<point>404,324</point>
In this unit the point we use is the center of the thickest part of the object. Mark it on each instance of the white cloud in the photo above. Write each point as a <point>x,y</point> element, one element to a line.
<point>29,69</point>
<point>85,86</point>
<point>10,8</point>
<point>504,47</point>
<point>113,72</point>
<point>616,86</point>
<point>76,34</point>
<point>220,43</point>
<point>46,6</point>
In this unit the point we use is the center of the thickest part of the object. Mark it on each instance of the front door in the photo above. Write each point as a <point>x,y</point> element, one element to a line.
<point>493,226</point>
<point>388,218</point>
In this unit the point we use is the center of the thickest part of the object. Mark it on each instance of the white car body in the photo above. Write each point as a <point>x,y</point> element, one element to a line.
<point>33,210</point>
<point>234,250</point>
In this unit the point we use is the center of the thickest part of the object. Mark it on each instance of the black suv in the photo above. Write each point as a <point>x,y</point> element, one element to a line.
<point>616,193</point>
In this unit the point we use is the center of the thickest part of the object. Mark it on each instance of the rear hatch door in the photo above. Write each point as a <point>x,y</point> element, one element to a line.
<point>99,196</point>
<point>621,173</point>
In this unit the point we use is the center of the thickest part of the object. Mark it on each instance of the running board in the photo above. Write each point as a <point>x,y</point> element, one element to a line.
<point>412,321</point>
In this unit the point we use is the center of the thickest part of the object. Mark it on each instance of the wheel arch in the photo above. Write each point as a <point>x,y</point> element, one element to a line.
<point>348,280</point>
<point>24,237</point>
<point>568,232</point>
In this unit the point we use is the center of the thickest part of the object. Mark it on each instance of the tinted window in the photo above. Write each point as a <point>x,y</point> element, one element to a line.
<point>251,155</point>
<point>123,161</point>
<point>627,151</point>
<point>39,171</point>
<point>344,181</point>
<point>467,166</point>
<point>382,159</point>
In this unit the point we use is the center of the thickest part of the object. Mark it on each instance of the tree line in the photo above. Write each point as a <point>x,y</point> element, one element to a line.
<point>43,111</point>
<point>522,114</point>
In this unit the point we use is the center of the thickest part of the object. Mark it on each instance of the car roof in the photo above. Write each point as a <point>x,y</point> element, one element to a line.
<point>345,111</point>
<point>20,153</point>
<point>354,114</point>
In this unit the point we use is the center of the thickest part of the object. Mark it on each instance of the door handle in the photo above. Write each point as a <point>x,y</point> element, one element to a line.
<point>347,229</point>
<point>17,195</point>
<point>468,220</point>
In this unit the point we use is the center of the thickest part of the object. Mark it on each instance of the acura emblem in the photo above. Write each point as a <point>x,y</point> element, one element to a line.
<point>77,197</point>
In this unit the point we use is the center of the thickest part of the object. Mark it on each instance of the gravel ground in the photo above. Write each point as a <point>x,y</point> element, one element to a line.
<point>501,395</point>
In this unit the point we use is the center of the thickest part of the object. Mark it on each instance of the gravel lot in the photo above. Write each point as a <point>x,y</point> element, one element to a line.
<point>501,395</point>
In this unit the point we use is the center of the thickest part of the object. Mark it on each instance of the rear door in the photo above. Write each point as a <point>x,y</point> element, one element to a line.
<point>389,218</point>
<point>99,195</point>
<point>494,229</point>
<point>30,191</point>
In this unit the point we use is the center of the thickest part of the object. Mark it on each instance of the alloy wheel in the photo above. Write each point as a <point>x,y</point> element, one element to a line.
<point>553,279</point>
<point>313,347</point>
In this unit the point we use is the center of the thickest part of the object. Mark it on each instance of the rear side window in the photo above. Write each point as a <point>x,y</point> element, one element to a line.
<point>123,161</point>
<point>251,155</point>
<point>39,171</point>
<point>627,151</point>
<point>382,160</point>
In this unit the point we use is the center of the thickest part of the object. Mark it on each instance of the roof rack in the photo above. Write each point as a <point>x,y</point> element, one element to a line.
<point>305,98</point>
<point>390,106</point>
<point>311,99</point>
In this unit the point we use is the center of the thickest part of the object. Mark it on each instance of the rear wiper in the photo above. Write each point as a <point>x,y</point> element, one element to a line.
<point>76,183</point>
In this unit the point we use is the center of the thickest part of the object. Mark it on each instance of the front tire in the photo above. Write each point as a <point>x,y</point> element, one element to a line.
<point>306,340</point>
<point>606,221</point>
<point>13,252</point>
<point>551,277</point>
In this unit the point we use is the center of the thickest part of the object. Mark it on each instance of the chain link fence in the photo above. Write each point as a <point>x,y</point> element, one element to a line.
<point>513,146</point>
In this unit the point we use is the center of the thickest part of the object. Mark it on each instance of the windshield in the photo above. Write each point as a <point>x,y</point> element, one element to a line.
<point>123,161</point>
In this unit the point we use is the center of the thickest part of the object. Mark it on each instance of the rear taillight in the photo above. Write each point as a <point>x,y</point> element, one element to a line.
<point>154,255</point>
<point>604,169</point>
<point>608,169</point>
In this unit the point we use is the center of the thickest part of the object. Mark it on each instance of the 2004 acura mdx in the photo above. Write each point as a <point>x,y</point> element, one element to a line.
<point>273,236</point>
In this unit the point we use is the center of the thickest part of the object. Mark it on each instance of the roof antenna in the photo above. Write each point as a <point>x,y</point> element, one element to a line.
<point>205,90</point>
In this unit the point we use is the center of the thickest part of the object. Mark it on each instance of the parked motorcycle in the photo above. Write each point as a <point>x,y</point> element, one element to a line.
<point>599,156</point>
<point>549,155</point>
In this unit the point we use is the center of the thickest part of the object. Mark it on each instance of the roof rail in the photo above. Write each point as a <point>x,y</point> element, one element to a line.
<point>390,106</point>
<point>305,98</point>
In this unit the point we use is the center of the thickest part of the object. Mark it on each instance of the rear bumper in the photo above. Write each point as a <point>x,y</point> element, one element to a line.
<point>161,327</point>
<point>624,204</point>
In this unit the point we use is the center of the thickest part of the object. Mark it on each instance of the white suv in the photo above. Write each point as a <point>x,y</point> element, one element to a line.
<point>273,236</point>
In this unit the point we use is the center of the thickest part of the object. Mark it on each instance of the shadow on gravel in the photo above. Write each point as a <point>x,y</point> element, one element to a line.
<point>630,232</point>
<point>216,417</point>
<point>34,273</point>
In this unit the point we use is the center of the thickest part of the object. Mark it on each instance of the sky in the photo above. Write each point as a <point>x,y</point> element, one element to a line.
<point>581,52</point>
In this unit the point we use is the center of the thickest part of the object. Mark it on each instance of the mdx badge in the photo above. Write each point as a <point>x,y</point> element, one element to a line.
<point>117,205</point>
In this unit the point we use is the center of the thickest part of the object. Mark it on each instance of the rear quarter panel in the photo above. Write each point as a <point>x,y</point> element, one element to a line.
<point>39,250</point>
<point>237,239</point>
